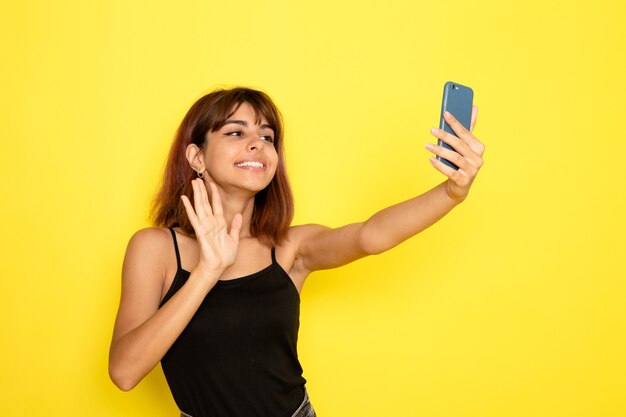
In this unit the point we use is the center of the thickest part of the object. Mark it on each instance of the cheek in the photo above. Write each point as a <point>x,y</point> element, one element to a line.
<point>217,163</point>
<point>275,161</point>
<point>218,155</point>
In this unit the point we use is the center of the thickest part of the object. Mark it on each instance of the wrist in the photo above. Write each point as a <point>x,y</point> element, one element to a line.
<point>452,198</point>
<point>209,271</point>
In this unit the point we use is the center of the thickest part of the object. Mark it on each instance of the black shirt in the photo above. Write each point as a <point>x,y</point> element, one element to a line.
<point>237,356</point>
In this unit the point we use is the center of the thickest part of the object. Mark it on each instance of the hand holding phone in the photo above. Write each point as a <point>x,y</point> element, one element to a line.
<point>457,100</point>
<point>459,153</point>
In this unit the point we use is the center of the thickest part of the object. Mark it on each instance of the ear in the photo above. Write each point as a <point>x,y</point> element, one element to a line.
<point>195,157</point>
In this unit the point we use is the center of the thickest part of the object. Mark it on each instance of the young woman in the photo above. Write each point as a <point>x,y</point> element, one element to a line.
<point>213,291</point>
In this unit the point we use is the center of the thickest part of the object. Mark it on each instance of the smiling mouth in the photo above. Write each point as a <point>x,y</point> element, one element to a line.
<point>250,164</point>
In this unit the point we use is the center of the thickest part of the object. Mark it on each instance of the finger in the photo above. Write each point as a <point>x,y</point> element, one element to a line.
<point>191,215</point>
<point>446,153</point>
<point>443,168</point>
<point>464,134</point>
<point>197,203</point>
<point>474,116</point>
<point>217,200</point>
<point>458,145</point>
<point>204,198</point>
<point>471,154</point>
<point>456,126</point>
<point>235,227</point>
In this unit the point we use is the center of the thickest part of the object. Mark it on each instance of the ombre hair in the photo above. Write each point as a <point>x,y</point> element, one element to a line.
<point>273,206</point>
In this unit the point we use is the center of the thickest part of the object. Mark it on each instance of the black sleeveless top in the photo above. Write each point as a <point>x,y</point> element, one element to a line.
<point>237,356</point>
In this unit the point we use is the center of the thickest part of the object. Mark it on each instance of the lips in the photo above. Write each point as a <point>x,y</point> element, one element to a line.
<point>251,163</point>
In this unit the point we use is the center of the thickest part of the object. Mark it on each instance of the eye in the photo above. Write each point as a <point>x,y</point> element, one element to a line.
<point>234,133</point>
<point>268,138</point>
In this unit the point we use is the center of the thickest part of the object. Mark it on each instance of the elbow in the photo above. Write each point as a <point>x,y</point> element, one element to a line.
<point>374,249</point>
<point>371,248</point>
<point>120,378</point>
<point>371,243</point>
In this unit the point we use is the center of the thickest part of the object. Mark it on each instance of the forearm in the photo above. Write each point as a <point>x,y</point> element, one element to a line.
<point>134,355</point>
<point>395,224</point>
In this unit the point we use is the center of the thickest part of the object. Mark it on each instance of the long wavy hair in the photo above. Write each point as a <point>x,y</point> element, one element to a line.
<point>273,206</point>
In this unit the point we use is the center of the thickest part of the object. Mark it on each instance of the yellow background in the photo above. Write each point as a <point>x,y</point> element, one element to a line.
<point>513,305</point>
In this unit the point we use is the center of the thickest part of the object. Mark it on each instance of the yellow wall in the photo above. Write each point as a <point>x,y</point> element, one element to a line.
<point>511,306</point>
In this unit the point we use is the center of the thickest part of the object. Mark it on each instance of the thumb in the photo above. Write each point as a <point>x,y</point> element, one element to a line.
<point>235,227</point>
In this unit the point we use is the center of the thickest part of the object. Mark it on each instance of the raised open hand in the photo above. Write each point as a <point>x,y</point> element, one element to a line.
<point>468,156</point>
<point>217,247</point>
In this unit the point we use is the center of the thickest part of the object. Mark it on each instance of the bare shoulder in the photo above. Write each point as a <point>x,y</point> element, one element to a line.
<point>149,237</point>
<point>288,253</point>
<point>143,273</point>
<point>302,234</point>
<point>146,251</point>
<point>319,247</point>
<point>299,234</point>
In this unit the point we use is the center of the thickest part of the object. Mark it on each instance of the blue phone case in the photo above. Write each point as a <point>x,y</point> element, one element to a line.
<point>457,99</point>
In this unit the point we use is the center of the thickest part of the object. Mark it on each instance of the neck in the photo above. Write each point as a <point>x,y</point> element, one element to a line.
<point>235,201</point>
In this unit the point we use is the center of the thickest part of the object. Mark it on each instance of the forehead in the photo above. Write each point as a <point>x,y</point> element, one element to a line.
<point>245,111</point>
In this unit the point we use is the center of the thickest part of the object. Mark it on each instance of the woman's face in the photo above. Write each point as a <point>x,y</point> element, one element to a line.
<point>241,154</point>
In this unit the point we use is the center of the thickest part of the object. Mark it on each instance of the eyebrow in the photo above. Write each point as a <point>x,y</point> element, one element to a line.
<point>245,124</point>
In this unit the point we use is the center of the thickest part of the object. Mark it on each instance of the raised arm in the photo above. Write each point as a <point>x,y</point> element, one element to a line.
<point>322,248</point>
<point>144,333</point>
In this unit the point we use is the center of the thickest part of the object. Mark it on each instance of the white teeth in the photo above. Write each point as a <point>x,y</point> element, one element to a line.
<point>250,164</point>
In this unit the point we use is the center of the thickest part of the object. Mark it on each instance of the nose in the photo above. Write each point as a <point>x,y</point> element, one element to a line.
<point>256,143</point>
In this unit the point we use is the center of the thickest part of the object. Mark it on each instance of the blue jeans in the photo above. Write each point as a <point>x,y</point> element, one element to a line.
<point>305,409</point>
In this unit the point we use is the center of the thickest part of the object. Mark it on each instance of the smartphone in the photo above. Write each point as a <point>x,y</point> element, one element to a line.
<point>457,99</point>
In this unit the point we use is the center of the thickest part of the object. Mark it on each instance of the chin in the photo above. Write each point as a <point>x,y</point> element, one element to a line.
<point>255,187</point>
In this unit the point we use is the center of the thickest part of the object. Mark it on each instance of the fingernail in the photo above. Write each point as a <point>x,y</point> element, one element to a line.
<point>430,146</point>
<point>434,131</point>
<point>446,113</point>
